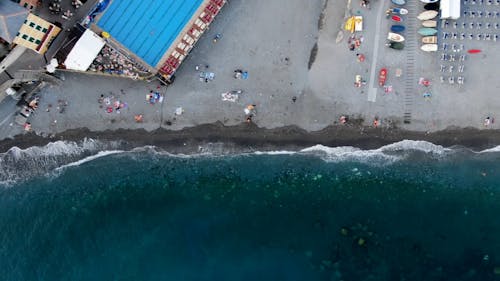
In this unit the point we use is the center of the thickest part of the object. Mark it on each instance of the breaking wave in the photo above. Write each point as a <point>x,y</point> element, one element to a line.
<point>18,164</point>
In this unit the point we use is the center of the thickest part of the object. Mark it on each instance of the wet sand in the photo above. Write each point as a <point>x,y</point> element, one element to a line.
<point>217,138</point>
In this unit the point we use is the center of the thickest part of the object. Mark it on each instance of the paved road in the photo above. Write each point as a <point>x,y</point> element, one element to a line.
<point>372,91</point>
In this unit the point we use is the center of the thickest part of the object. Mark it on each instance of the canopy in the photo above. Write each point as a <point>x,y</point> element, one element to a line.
<point>450,9</point>
<point>85,51</point>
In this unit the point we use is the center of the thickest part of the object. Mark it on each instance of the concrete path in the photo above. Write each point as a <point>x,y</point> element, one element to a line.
<point>373,82</point>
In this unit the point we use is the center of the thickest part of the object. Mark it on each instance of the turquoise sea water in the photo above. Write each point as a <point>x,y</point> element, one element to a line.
<point>410,211</point>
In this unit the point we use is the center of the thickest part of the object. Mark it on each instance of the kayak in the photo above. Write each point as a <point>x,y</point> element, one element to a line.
<point>394,37</point>
<point>382,76</point>
<point>400,11</point>
<point>397,28</point>
<point>429,39</point>
<point>429,23</point>
<point>474,51</point>
<point>397,18</point>
<point>427,31</point>
<point>429,1</point>
<point>427,15</point>
<point>432,6</point>
<point>429,47</point>
<point>395,45</point>
<point>399,2</point>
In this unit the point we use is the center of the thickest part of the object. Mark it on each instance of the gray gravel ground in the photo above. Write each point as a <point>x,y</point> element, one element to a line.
<point>272,40</point>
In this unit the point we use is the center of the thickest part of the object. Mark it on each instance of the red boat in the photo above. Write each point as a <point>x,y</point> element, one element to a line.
<point>474,51</point>
<point>382,76</point>
<point>396,18</point>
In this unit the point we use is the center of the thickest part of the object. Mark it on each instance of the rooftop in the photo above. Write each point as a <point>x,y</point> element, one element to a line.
<point>147,28</point>
<point>12,17</point>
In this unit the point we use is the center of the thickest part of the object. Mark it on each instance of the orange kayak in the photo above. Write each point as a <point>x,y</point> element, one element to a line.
<point>382,77</point>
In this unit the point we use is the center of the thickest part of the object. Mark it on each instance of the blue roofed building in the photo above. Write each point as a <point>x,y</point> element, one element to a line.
<point>12,17</point>
<point>158,33</point>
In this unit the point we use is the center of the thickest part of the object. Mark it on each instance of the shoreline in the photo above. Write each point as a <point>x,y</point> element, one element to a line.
<point>247,138</point>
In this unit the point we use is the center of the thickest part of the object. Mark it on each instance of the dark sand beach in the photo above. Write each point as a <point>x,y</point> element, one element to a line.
<point>247,138</point>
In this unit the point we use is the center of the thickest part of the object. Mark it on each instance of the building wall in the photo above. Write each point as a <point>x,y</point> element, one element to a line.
<point>36,34</point>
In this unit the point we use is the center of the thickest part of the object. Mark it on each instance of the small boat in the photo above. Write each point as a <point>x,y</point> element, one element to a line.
<point>427,31</point>
<point>395,45</point>
<point>382,76</point>
<point>427,15</point>
<point>399,2</point>
<point>429,39</point>
<point>429,1</point>
<point>397,28</point>
<point>432,6</point>
<point>397,18</point>
<point>400,11</point>
<point>474,51</point>
<point>394,37</point>
<point>429,23</point>
<point>429,47</point>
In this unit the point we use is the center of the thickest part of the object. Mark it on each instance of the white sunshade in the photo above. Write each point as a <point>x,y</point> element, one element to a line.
<point>85,51</point>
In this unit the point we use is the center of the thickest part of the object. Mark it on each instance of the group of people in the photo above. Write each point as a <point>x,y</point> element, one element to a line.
<point>154,97</point>
<point>111,104</point>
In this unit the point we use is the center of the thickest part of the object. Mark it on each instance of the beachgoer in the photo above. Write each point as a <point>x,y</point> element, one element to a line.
<point>294,98</point>
<point>343,119</point>
<point>217,37</point>
<point>138,118</point>
<point>249,118</point>
<point>487,121</point>
<point>376,122</point>
<point>27,126</point>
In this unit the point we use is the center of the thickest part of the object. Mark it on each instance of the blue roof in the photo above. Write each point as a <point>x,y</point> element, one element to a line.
<point>147,27</point>
<point>12,17</point>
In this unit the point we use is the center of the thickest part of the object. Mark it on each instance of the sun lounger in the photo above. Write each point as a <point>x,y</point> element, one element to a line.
<point>200,24</point>
<point>167,69</point>
<point>207,18</point>
<point>188,39</point>
<point>195,33</point>
<point>181,51</point>
<point>212,8</point>
<point>173,62</point>
<point>218,2</point>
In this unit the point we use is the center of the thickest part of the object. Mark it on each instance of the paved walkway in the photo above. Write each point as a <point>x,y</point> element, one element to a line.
<point>373,84</point>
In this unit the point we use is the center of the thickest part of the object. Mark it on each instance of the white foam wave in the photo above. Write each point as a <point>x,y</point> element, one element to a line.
<point>21,164</point>
<point>276,152</point>
<point>384,155</point>
<point>54,149</point>
<point>349,153</point>
<point>89,158</point>
<point>413,145</point>
<point>491,150</point>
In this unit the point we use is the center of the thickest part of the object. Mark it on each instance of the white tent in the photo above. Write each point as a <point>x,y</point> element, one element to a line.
<point>85,51</point>
<point>450,9</point>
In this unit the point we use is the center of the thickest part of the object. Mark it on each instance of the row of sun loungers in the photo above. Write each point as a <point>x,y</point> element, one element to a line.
<point>189,39</point>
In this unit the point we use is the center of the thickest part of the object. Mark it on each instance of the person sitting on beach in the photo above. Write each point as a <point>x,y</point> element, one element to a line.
<point>488,121</point>
<point>138,118</point>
